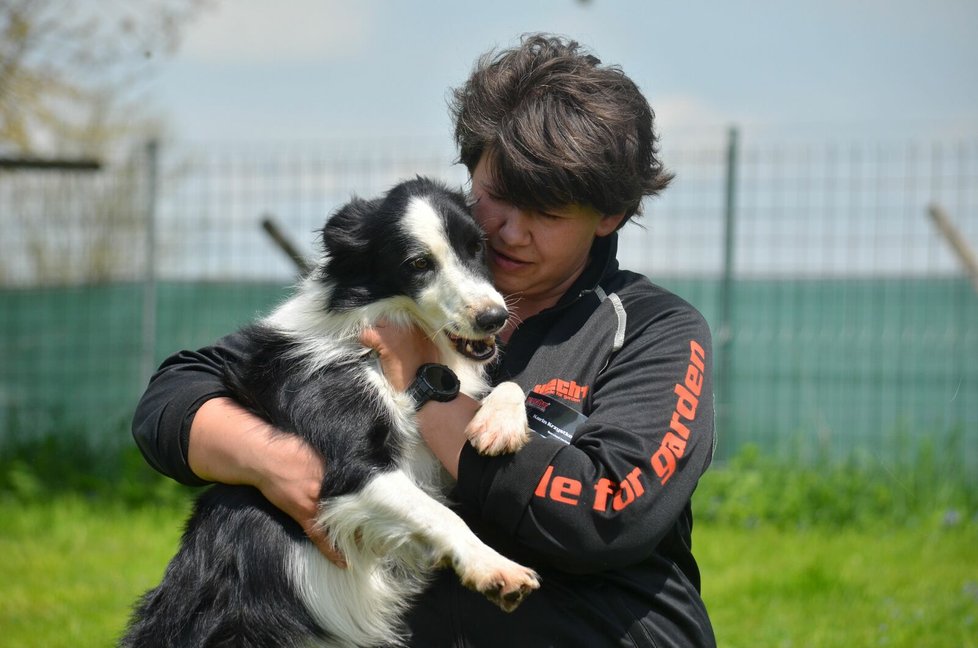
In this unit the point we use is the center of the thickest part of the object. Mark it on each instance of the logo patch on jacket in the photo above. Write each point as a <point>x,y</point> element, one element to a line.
<point>552,419</point>
<point>565,389</point>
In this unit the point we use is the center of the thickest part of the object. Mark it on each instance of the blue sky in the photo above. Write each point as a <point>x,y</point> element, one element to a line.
<point>300,70</point>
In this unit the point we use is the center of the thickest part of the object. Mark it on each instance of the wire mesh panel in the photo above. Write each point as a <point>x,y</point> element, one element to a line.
<point>853,322</point>
<point>72,250</point>
<point>845,321</point>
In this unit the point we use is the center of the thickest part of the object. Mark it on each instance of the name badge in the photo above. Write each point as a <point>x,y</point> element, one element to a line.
<point>552,419</point>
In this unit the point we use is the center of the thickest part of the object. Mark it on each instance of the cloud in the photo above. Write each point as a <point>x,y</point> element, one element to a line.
<point>290,31</point>
<point>684,112</point>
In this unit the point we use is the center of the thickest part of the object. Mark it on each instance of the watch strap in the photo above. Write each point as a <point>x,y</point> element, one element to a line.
<point>433,382</point>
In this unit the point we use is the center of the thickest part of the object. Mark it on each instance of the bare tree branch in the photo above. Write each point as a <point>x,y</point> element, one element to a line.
<point>69,71</point>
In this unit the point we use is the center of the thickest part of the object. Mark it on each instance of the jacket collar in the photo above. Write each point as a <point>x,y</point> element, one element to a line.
<point>603,262</point>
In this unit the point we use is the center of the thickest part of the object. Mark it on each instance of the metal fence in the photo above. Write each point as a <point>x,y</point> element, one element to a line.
<point>845,320</point>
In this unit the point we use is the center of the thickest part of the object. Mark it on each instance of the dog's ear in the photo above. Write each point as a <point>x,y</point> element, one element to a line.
<point>346,244</point>
<point>342,235</point>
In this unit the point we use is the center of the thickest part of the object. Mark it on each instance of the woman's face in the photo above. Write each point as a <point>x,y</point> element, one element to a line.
<point>534,255</point>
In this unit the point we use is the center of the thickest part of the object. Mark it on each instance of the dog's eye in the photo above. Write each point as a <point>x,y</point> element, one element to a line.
<point>476,247</point>
<point>420,263</point>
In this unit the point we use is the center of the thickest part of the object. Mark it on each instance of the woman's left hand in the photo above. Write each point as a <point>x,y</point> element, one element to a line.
<point>401,350</point>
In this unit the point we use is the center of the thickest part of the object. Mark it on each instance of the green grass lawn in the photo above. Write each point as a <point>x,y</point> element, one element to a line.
<point>911,586</point>
<point>71,568</point>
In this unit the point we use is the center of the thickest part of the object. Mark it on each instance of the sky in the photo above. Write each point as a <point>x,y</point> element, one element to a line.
<point>307,70</point>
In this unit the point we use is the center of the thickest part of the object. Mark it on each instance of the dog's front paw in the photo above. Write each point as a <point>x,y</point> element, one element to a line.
<point>500,424</point>
<point>502,581</point>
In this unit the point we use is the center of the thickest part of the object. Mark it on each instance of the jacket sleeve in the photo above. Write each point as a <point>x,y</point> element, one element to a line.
<point>608,498</point>
<point>184,382</point>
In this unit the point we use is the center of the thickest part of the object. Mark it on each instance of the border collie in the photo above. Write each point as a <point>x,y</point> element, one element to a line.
<point>245,574</point>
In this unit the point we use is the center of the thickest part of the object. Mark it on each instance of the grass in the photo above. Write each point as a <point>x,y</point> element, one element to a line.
<point>791,557</point>
<point>72,567</point>
<point>821,587</point>
<point>765,586</point>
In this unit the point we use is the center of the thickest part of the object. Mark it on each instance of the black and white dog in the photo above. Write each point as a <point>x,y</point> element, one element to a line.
<point>245,574</point>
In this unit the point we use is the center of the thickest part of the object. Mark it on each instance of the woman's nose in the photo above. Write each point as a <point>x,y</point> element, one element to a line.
<point>514,226</point>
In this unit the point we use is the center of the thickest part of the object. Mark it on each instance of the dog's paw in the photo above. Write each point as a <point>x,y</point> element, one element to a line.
<point>500,424</point>
<point>502,581</point>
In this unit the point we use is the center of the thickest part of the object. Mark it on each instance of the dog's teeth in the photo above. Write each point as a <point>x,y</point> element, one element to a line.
<point>475,349</point>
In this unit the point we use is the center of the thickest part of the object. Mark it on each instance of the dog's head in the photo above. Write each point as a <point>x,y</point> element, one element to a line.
<point>415,251</point>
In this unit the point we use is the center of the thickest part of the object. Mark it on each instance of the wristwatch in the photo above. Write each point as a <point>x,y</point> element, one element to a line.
<point>433,382</point>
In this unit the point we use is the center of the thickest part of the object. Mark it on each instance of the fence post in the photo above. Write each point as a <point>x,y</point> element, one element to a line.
<point>148,361</point>
<point>724,337</point>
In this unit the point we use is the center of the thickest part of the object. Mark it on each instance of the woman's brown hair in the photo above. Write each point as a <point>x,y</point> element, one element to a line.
<point>560,128</point>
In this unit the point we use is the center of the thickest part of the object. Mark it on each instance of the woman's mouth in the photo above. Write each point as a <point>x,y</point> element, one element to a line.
<point>505,262</point>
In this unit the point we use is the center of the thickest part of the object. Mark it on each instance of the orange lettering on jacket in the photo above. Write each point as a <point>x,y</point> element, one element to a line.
<point>560,489</point>
<point>617,496</point>
<point>673,445</point>
<point>566,389</point>
<point>621,494</point>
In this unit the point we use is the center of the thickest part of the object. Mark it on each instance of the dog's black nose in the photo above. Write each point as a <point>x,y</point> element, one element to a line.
<point>491,320</point>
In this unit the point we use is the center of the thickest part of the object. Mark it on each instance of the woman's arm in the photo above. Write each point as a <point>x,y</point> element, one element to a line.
<point>624,482</point>
<point>230,445</point>
<point>608,498</point>
<point>188,429</point>
<point>402,351</point>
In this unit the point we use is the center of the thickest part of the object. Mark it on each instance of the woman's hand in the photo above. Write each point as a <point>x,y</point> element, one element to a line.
<point>401,351</point>
<point>230,445</point>
<point>291,478</point>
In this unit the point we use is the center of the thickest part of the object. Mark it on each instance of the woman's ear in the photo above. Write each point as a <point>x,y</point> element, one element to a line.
<point>609,224</point>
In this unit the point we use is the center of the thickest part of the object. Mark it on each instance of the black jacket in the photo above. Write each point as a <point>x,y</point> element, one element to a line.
<point>602,510</point>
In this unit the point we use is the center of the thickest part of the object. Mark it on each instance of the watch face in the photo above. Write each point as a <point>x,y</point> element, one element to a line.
<point>441,379</point>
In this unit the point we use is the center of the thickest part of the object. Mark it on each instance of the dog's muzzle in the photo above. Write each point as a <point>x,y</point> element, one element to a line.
<point>489,321</point>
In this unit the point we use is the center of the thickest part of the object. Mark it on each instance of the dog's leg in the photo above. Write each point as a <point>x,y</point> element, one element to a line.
<point>500,424</point>
<point>391,513</point>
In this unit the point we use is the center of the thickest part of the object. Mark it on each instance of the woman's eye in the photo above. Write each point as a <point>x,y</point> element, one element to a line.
<point>495,197</point>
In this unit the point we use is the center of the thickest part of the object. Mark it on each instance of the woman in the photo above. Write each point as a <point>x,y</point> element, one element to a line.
<point>561,150</point>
